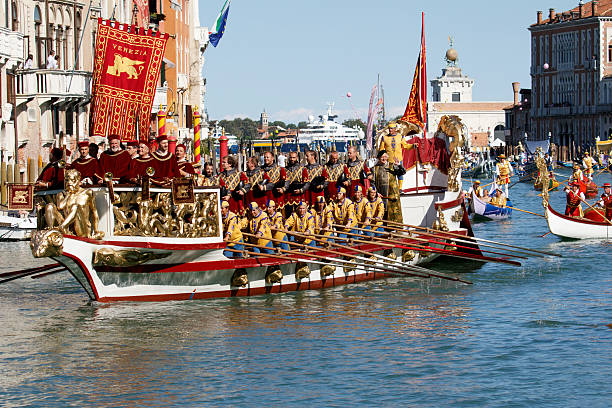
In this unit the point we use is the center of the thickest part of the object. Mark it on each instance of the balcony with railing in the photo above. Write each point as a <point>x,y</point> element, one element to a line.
<point>47,84</point>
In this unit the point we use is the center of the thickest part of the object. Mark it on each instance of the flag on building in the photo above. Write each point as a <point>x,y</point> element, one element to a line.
<point>416,109</point>
<point>215,36</point>
<point>127,62</point>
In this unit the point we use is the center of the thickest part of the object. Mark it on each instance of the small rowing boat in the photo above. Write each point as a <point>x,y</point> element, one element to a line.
<point>576,227</point>
<point>490,211</point>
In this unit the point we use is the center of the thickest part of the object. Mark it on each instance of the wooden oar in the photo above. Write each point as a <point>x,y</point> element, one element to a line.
<point>525,211</point>
<point>353,265</point>
<point>467,240</point>
<point>387,261</point>
<point>522,179</point>
<point>23,275</point>
<point>347,262</point>
<point>423,248</point>
<point>46,274</point>
<point>35,269</point>
<point>431,241</point>
<point>452,234</point>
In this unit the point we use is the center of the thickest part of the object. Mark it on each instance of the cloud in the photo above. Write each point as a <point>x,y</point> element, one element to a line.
<point>235,116</point>
<point>292,116</point>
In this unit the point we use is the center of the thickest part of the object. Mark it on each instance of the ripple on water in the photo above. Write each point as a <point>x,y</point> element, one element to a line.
<point>534,335</point>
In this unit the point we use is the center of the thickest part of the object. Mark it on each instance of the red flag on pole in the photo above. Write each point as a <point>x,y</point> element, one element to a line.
<point>416,109</point>
<point>127,62</point>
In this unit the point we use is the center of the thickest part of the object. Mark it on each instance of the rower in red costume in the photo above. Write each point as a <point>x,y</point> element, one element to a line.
<point>606,200</point>
<point>115,160</point>
<point>234,185</point>
<point>185,168</point>
<point>165,165</point>
<point>336,175</point>
<point>574,198</point>
<point>52,176</point>
<point>87,165</point>
<point>139,165</point>
<point>317,179</point>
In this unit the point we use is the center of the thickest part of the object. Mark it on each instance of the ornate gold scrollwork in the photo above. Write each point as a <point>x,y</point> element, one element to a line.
<point>544,178</point>
<point>458,215</point>
<point>301,270</point>
<point>240,278</point>
<point>159,216</point>
<point>125,257</point>
<point>75,211</point>
<point>47,243</point>
<point>273,274</point>
<point>389,253</point>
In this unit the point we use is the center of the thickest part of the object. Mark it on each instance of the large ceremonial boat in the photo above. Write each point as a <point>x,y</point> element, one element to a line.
<point>143,243</point>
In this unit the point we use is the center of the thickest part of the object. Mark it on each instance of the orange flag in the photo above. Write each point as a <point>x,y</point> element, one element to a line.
<point>416,109</point>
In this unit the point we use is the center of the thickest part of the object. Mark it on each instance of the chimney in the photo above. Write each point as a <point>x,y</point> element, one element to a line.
<point>594,11</point>
<point>580,9</point>
<point>539,21</point>
<point>551,14</point>
<point>516,86</point>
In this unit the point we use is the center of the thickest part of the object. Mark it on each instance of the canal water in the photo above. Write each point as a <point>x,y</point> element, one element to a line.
<point>535,335</point>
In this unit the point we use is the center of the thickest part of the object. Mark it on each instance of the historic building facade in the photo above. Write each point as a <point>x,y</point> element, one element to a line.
<point>452,95</point>
<point>571,74</point>
<point>518,116</point>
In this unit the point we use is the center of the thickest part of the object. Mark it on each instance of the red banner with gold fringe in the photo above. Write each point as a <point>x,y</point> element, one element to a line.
<point>416,109</point>
<point>127,62</point>
<point>20,197</point>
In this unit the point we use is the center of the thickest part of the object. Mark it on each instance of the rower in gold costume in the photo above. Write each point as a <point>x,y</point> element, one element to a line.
<point>232,226</point>
<point>498,199</point>
<point>377,210</point>
<point>362,212</point>
<point>343,214</point>
<point>504,172</point>
<point>322,217</point>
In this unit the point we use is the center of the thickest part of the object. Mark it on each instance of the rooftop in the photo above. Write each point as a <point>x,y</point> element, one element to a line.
<point>604,9</point>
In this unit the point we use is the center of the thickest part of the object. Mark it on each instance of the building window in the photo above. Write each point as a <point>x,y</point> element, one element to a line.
<point>456,97</point>
<point>15,26</point>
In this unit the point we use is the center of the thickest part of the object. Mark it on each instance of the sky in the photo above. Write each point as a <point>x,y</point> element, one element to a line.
<point>293,57</point>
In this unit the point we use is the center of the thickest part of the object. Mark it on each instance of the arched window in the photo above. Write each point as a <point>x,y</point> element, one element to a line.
<point>498,128</point>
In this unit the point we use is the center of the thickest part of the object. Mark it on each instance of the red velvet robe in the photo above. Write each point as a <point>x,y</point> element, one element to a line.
<point>116,163</point>
<point>54,175</point>
<point>89,168</point>
<point>165,166</point>
<point>186,167</point>
<point>573,204</point>
<point>139,166</point>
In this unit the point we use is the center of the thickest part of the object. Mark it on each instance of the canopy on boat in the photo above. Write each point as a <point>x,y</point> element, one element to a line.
<point>604,146</point>
<point>532,145</point>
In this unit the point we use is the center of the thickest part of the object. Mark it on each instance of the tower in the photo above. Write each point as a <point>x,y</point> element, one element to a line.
<point>263,121</point>
<point>453,85</point>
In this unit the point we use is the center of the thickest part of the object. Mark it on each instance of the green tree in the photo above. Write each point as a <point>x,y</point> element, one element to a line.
<point>291,126</point>
<point>302,125</point>
<point>355,122</point>
<point>279,124</point>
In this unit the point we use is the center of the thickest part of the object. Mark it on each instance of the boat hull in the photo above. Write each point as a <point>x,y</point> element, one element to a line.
<point>576,228</point>
<point>488,211</point>
<point>200,274</point>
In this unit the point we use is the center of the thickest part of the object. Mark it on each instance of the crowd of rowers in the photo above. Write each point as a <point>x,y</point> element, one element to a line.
<point>270,204</point>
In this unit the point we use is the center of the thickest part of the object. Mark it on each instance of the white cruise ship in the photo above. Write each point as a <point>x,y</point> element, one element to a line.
<point>327,131</point>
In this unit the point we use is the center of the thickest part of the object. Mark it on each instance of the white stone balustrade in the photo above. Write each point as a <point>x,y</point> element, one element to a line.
<point>53,83</point>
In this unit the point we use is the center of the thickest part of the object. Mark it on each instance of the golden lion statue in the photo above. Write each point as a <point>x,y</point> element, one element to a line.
<point>124,64</point>
<point>75,212</point>
<point>452,127</point>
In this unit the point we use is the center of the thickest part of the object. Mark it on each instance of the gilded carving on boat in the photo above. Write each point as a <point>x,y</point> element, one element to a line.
<point>74,212</point>
<point>240,278</point>
<point>160,216</point>
<point>302,271</point>
<point>125,257</point>
<point>273,274</point>
<point>440,223</point>
<point>452,127</point>
<point>408,255</point>
<point>458,215</point>
<point>327,270</point>
<point>47,243</point>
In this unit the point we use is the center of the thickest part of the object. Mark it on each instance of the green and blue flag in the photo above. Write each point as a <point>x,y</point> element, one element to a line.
<point>215,36</point>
